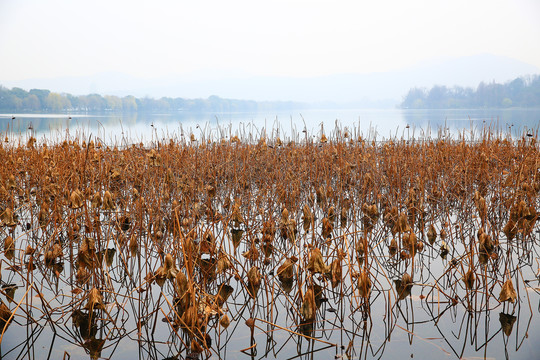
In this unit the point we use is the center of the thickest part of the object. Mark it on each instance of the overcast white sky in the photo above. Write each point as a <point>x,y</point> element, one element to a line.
<point>41,39</point>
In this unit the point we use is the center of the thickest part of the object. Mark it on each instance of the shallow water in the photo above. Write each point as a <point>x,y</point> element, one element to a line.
<point>425,324</point>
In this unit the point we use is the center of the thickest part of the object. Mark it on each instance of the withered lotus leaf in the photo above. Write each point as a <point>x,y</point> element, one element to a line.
<point>469,279</point>
<point>285,271</point>
<point>404,286</point>
<point>361,250</point>
<point>443,233</point>
<point>269,231</point>
<point>95,300</point>
<point>444,249</point>
<point>183,300</point>
<point>224,321</point>
<point>211,191</point>
<point>291,230</point>
<point>30,266</point>
<point>82,275</point>
<point>510,229</point>
<point>76,199</point>
<point>10,289</point>
<point>408,241</point>
<point>267,249</point>
<point>336,270</point>
<point>237,215</point>
<point>9,247</point>
<point>316,263</point>
<point>153,157</point>
<point>133,245</point>
<point>402,224</point>
<point>5,314</point>
<point>181,283</point>
<point>332,214</point>
<point>190,318</point>
<point>43,216</point>
<point>236,235</point>
<point>196,346</point>
<point>109,256</point>
<point>252,254</point>
<point>393,247</point>
<point>364,284</point>
<point>309,308</point>
<point>87,253</point>
<point>431,234</point>
<point>54,253</point>
<point>373,212</point>
<point>223,263</point>
<point>96,201</point>
<point>124,222</point>
<point>285,215</point>
<point>254,280</point>
<point>223,294</point>
<point>8,218</point>
<point>390,218</point>
<point>343,217</point>
<point>485,243</point>
<point>10,183</point>
<point>327,228</point>
<point>208,243</point>
<point>167,271</point>
<point>108,203</point>
<point>508,293</point>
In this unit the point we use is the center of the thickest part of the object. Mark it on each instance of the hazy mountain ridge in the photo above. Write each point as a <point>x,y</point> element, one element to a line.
<point>371,89</point>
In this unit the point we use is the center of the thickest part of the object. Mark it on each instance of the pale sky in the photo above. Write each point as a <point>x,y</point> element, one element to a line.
<point>53,38</point>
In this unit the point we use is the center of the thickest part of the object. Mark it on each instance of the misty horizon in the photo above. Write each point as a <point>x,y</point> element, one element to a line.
<point>281,51</point>
<point>341,52</point>
<point>522,92</point>
<point>375,89</point>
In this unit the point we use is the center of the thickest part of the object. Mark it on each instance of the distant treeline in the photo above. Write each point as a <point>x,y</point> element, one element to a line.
<point>38,100</point>
<point>521,92</point>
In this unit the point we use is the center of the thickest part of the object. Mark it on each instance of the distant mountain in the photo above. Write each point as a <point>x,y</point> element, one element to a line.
<point>371,89</point>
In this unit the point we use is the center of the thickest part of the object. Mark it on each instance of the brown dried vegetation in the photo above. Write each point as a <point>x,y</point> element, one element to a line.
<point>162,229</point>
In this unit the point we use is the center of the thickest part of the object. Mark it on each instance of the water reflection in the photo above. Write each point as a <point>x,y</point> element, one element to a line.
<point>435,316</point>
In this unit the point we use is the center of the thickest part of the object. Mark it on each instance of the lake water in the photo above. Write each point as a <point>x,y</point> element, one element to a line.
<point>373,123</point>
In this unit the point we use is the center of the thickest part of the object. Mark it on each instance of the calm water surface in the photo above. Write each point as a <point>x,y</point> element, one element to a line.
<point>377,124</point>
